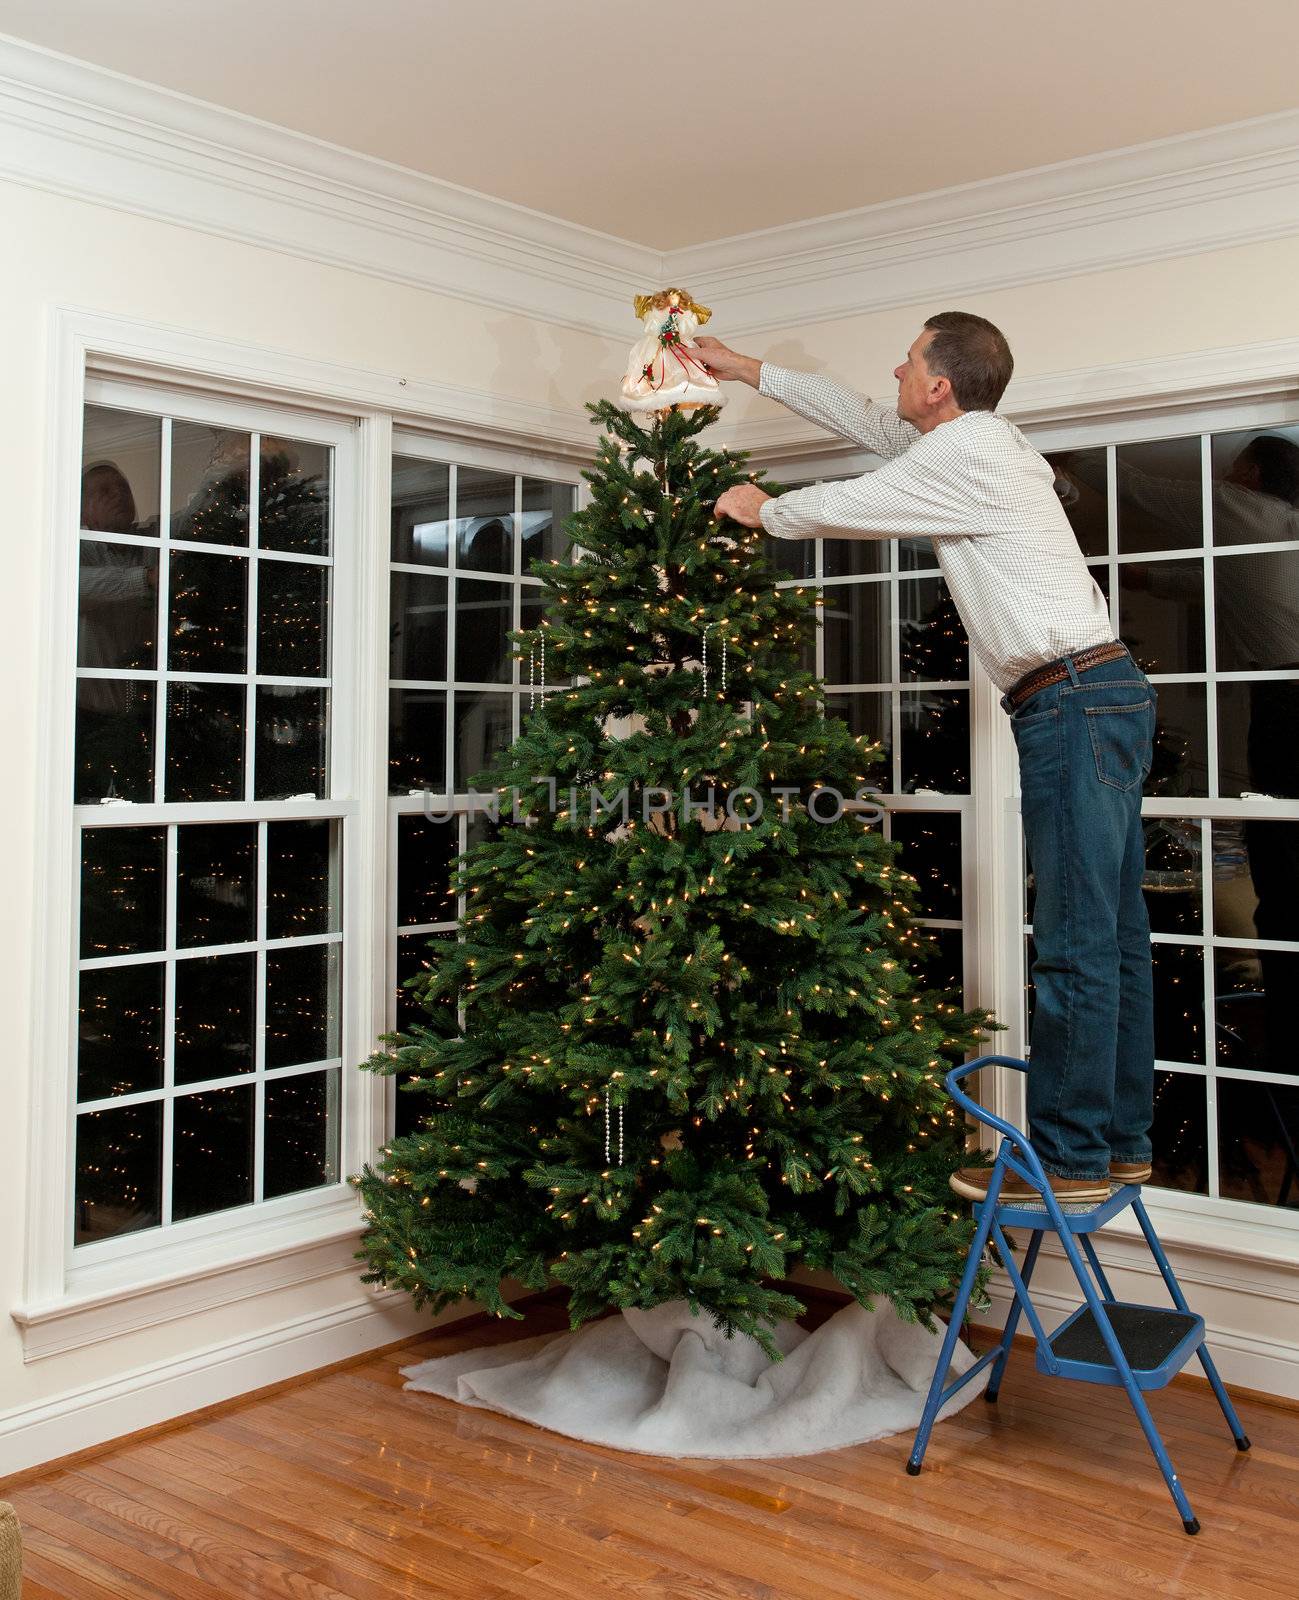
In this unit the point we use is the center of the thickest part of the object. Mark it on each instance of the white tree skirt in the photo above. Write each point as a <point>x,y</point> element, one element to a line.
<point>666,1383</point>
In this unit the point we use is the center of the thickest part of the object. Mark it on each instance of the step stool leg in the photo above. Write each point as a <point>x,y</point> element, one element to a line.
<point>1096,1267</point>
<point>1012,1320</point>
<point>1134,1394</point>
<point>939,1381</point>
<point>1179,1300</point>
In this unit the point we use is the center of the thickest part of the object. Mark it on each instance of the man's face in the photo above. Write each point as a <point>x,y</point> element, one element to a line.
<point>915,381</point>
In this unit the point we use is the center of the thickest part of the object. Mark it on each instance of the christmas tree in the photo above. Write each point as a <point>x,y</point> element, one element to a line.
<point>689,1052</point>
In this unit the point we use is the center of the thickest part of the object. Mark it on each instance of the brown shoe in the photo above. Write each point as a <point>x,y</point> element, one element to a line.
<point>1130,1171</point>
<point>972,1182</point>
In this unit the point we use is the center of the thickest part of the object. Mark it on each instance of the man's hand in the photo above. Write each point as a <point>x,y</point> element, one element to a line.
<point>727,364</point>
<point>742,504</point>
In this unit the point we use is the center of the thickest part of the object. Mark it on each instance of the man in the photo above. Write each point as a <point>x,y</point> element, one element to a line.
<point>1082,711</point>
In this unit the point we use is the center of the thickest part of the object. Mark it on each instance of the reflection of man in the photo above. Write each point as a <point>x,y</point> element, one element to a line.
<point>117,589</point>
<point>1081,709</point>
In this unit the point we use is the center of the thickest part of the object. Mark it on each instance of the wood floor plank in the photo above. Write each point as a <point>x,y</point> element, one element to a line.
<point>348,1485</point>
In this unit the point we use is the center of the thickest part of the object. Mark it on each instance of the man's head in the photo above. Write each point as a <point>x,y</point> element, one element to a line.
<point>958,362</point>
<point>1268,464</point>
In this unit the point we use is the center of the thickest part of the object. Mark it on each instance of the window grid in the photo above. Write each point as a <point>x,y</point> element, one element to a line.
<point>1210,810</point>
<point>159,814</point>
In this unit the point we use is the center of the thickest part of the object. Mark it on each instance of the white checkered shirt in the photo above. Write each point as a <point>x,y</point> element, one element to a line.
<point>980,491</point>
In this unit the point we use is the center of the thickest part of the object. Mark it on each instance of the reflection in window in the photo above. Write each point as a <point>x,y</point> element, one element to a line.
<point>1258,1142</point>
<point>1180,1133</point>
<point>1160,501</point>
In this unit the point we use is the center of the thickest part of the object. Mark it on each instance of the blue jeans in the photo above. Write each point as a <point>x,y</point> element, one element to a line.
<point>1085,749</point>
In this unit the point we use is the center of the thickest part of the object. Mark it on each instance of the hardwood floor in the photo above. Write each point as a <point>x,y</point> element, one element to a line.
<point>343,1485</point>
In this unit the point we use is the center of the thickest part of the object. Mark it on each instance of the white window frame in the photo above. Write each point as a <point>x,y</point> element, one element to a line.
<point>295,1239</point>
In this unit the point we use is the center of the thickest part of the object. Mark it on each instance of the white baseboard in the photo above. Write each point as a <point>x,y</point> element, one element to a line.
<point>100,1412</point>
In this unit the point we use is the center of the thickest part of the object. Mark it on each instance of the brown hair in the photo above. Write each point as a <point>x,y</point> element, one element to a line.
<point>107,504</point>
<point>972,354</point>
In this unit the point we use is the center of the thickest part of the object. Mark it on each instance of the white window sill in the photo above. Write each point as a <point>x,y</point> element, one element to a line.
<point>110,1299</point>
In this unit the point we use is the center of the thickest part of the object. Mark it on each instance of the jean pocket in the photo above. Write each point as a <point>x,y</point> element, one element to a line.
<point>1122,737</point>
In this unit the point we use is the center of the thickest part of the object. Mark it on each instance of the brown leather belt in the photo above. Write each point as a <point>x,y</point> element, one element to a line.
<point>1057,671</point>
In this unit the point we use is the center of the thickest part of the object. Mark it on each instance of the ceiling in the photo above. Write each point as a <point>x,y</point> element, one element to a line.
<point>677,123</point>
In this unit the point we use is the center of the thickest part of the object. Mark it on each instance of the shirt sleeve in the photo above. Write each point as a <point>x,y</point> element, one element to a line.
<point>930,491</point>
<point>852,416</point>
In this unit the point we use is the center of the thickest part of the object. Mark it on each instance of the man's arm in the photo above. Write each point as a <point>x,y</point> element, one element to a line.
<point>820,400</point>
<point>852,416</point>
<point>926,492</point>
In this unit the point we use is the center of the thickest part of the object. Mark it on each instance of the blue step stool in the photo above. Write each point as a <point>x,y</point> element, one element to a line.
<point>1106,1340</point>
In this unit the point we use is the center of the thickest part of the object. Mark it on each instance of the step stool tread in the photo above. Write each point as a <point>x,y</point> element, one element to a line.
<point>1148,1335</point>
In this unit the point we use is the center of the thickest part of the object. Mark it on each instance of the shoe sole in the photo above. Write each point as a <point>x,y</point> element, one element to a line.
<point>1139,1175</point>
<point>970,1191</point>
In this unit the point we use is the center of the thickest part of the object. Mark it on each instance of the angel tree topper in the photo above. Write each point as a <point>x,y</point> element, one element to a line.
<point>664,368</point>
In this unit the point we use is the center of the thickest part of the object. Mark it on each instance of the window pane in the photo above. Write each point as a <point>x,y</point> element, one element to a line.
<point>1255,998</point>
<point>123,890</point>
<point>121,470</point>
<point>484,520</point>
<point>931,637</point>
<point>856,623</point>
<point>1178,972</point>
<point>205,741</point>
<point>1161,614</point>
<point>418,627</point>
<point>417,727</point>
<point>1256,609</point>
<point>302,1118</point>
<point>426,853</point>
<point>120,1031</point>
<point>117,614</point>
<point>942,969</point>
<point>850,558</point>
<point>413,958</point>
<point>212,1168</point>
<point>114,741</point>
<point>292,620</point>
<point>546,507</point>
<point>869,715</point>
<point>931,853</point>
<point>1160,499</point>
<point>808,630</point>
<point>292,734</point>
<point>301,1004</point>
<point>935,742</point>
<point>216,883</point>
<point>302,879</point>
<point>792,558</point>
<point>1256,880</point>
<point>209,484</point>
<point>119,1171</point>
<point>1180,1133</point>
<point>293,497</point>
<point>1255,486</point>
<point>484,727</point>
<point>1081,482</point>
<point>1180,762</point>
<point>483,618</point>
<point>215,1012</point>
<point>914,555</point>
<point>1257,750</point>
<point>1174,874</point>
<point>207,629</point>
<point>1258,1141</point>
<point>421,509</point>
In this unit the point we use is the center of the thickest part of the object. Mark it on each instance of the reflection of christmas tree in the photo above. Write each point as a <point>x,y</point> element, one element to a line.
<point>933,649</point>
<point>692,1054</point>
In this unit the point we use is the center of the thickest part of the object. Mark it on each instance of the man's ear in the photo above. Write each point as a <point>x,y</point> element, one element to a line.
<point>940,389</point>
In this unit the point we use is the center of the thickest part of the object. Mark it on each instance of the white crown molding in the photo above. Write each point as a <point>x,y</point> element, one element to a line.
<point>96,135</point>
<point>79,130</point>
<point>1224,186</point>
